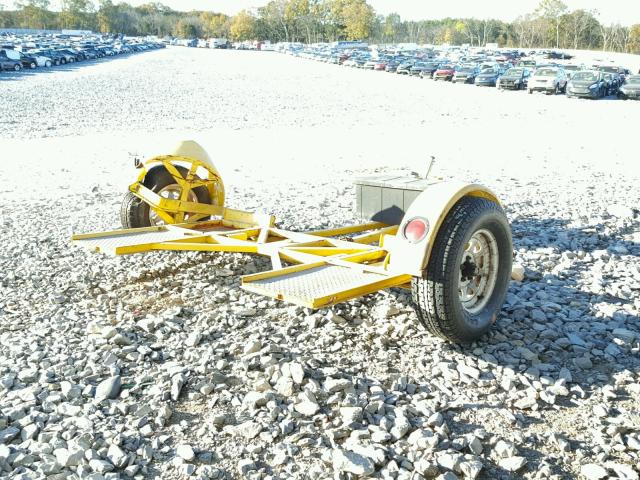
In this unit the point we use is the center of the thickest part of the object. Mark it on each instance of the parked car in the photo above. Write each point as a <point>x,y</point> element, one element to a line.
<point>514,79</point>
<point>465,74</point>
<point>571,69</point>
<point>380,65</point>
<point>630,89</point>
<point>444,72</point>
<point>618,73</point>
<point>429,69</point>
<point>405,67</point>
<point>558,56</point>
<point>587,84</point>
<point>370,64</point>
<point>28,62</point>
<point>7,63</point>
<point>418,68</point>
<point>40,60</point>
<point>551,80</point>
<point>612,83</point>
<point>392,66</point>
<point>488,77</point>
<point>526,64</point>
<point>56,58</point>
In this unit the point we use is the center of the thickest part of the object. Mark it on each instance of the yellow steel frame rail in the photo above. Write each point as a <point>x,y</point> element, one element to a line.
<point>245,232</point>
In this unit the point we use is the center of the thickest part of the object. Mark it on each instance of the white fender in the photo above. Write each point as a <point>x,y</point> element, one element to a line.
<point>192,149</point>
<point>433,204</point>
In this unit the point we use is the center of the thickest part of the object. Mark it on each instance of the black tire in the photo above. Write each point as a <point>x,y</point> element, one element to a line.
<point>17,67</point>
<point>134,213</point>
<point>436,296</point>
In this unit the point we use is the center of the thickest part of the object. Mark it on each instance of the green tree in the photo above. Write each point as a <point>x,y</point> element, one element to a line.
<point>77,14</point>
<point>634,39</point>
<point>214,25</point>
<point>391,27</point>
<point>581,28</point>
<point>189,27</point>
<point>553,10</point>
<point>34,14</point>
<point>353,18</point>
<point>242,26</point>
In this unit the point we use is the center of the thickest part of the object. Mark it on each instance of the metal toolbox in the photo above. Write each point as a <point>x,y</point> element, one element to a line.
<point>385,198</point>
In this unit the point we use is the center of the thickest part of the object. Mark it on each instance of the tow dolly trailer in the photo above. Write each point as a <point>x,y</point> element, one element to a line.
<point>451,246</point>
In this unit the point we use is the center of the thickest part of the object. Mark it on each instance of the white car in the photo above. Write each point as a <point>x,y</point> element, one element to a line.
<point>551,80</point>
<point>41,60</point>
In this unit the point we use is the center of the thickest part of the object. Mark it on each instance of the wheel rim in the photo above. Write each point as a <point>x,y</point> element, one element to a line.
<point>478,271</point>
<point>173,192</point>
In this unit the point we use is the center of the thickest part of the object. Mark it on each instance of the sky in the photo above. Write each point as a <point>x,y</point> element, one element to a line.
<point>626,12</point>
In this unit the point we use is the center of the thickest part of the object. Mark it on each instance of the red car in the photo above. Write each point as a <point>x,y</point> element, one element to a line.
<point>444,72</point>
<point>380,66</point>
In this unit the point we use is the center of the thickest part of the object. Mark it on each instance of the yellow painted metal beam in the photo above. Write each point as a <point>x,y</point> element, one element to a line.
<point>323,251</point>
<point>273,273</point>
<point>343,296</point>
<point>332,232</point>
<point>173,206</point>
<point>204,247</point>
<point>369,238</point>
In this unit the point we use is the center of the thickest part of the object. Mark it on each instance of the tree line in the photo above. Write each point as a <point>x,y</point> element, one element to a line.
<point>551,25</point>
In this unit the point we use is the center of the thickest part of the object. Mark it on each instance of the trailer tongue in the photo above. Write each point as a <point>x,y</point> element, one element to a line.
<point>450,244</point>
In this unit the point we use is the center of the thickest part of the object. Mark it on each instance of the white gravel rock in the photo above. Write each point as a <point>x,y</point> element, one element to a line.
<point>185,452</point>
<point>351,462</point>
<point>592,471</point>
<point>109,388</point>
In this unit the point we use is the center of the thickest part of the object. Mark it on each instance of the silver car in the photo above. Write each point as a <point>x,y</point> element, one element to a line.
<point>551,80</point>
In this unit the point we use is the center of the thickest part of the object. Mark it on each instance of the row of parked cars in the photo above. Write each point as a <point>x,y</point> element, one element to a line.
<point>533,71</point>
<point>17,53</point>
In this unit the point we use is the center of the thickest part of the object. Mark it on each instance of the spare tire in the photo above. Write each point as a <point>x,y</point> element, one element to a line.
<point>135,213</point>
<point>465,282</point>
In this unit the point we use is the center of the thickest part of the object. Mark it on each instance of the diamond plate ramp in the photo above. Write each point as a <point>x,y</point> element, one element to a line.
<point>319,285</point>
<point>127,241</point>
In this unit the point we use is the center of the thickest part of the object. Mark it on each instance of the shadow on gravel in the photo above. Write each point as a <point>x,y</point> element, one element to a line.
<point>559,318</point>
<point>579,305</point>
<point>554,233</point>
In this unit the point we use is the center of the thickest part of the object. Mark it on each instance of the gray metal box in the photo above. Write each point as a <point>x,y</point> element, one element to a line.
<point>386,198</point>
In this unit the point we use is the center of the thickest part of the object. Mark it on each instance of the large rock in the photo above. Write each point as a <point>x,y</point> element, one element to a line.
<point>512,464</point>
<point>185,452</point>
<point>351,462</point>
<point>108,389</point>
<point>8,434</point>
<point>248,429</point>
<point>307,408</point>
<point>592,471</point>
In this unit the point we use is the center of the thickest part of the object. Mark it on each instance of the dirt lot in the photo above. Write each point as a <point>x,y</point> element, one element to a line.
<point>551,392</point>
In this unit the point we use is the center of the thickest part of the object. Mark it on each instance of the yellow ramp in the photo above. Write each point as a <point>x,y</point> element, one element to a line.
<point>320,284</point>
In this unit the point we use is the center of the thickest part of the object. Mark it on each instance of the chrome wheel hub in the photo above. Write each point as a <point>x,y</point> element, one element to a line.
<point>478,271</point>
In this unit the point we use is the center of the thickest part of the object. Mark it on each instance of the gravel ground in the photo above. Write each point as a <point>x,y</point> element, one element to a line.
<point>157,365</point>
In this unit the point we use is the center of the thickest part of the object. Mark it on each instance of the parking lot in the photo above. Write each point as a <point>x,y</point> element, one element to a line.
<point>288,135</point>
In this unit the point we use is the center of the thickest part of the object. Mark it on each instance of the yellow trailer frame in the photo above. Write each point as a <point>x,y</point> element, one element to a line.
<point>361,264</point>
<point>313,269</point>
